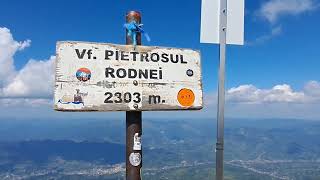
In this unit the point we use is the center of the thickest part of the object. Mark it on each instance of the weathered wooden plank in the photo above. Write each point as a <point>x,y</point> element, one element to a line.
<point>109,77</point>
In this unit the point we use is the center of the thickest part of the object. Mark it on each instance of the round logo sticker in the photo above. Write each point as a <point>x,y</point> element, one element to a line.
<point>83,74</point>
<point>135,159</point>
<point>186,97</point>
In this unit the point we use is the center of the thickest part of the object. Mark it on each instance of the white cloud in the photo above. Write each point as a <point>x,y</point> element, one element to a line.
<point>274,9</point>
<point>34,80</point>
<point>8,48</point>
<point>278,94</point>
<point>32,83</point>
<point>312,90</point>
<point>275,31</point>
<point>280,101</point>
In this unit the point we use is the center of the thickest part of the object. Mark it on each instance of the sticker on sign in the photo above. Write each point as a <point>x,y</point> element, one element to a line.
<point>110,77</point>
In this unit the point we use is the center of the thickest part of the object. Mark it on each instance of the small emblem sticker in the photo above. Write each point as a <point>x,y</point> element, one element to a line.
<point>135,159</point>
<point>83,74</point>
<point>186,97</point>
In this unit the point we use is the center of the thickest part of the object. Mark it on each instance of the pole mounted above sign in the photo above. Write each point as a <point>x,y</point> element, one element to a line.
<point>109,77</point>
<point>222,22</point>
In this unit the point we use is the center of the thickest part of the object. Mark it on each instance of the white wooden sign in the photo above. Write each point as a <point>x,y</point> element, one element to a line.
<point>109,77</point>
<point>210,14</point>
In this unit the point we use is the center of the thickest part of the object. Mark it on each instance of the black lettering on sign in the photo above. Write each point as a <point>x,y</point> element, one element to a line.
<point>118,96</point>
<point>144,56</point>
<point>134,55</point>
<point>137,97</point>
<point>182,60</point>
<point>153,74</point>
<point>155,57</point>
<point>124,56</point>
<point>109,71</point>
<point>121,73</point>
<point>174,60</point>
<point>109,96</point>
<point>154,99</point>
<point>143,73</point>
<point>83,52</point>
<point>134,73</point>
<point>89,53</point>
<point>160,73</point>
<point>80,55</point>
<point>108,53</point>
<point>165,58</point>
<point>117,55</point>
<point>127,97</point>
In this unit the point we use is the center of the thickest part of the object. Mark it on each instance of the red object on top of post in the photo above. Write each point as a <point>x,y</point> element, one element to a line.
<point>133,16</point>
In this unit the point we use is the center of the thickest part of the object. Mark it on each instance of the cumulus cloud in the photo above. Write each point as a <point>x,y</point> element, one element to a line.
<point>274,9</point>
<point>32,83</point>
<point>278,94</point>
<point>279,101</point>
<point>8,47</point>
<point>34,80</point>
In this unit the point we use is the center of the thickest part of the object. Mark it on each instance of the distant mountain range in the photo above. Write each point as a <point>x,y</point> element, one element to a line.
<point>46,150</point>
<point>173,149</point>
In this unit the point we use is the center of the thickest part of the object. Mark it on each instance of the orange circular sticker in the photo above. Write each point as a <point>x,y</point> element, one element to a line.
<point>186,97</point>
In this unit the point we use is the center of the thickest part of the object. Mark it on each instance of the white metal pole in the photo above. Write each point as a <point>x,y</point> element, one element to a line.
<point>221,90</point>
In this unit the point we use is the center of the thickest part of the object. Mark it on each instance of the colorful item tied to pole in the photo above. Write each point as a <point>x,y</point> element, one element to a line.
<point>133,29</point>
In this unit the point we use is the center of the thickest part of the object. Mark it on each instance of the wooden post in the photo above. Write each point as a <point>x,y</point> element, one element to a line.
<point>133,121</point>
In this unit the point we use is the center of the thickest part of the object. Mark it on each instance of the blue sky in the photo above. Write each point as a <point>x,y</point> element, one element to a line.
<point>279,63</point>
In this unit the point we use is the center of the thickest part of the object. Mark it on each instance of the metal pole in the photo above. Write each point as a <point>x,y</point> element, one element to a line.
<point>221,90</point>
<point>133,122</point>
